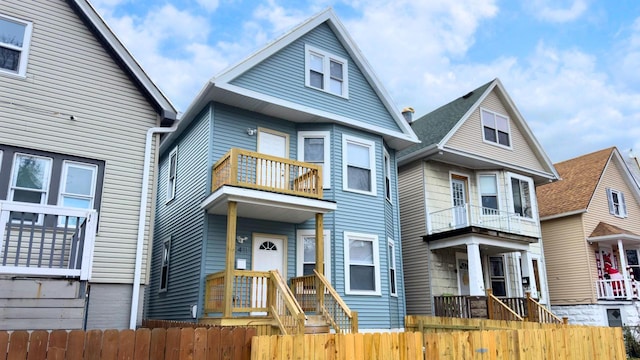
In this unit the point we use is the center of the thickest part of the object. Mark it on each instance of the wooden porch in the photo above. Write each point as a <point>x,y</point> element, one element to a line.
<point>495,308</point>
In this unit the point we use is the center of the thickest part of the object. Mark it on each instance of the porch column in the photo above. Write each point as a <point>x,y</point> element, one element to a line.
<point>232,218</point>
<point>476,281</point>
<point>623,270</point>
<point>526,265</point>
<point>320,257</point>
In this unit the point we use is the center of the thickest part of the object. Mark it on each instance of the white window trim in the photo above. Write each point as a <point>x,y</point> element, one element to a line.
<point>24,50</point>
<point>326,169</point>
<point>392,265</point>
<point>386,158</point>
<point>166,242</point>
<point>622,203</point>
<point>1,153</point>
<point>496,143</point>
<point>532,193</point>
<point>300,235</point>
<point>63,176</point>
<point>372,161</point>
<point>171,185</point>
<point>505,270</point>
<point>326,71</point>
<point>376,262</point>
<point>497,188</point>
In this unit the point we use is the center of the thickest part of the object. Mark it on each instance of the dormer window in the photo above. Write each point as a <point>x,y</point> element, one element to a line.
<point>15,36</point>
<point>326,72</point>
<point>495,128</point>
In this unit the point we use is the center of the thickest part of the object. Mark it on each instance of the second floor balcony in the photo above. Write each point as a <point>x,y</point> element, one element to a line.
<point>468,215</point>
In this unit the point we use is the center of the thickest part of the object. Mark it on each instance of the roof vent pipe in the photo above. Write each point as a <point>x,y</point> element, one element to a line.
<point>408,114</point>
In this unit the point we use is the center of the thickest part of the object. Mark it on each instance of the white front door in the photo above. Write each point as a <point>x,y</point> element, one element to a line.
<point>458,193</point>
<point>268,254</point>
<point>462,264</point>
<point>270,173</point>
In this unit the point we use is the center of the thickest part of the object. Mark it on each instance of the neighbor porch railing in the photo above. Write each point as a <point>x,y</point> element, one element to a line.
<point>253,170</point>
<point>536,312</point>
<point>498,310</point>
<point>44,240</point>
<point>471,215</point>
<point>256,293</point>
<point>618,289</point>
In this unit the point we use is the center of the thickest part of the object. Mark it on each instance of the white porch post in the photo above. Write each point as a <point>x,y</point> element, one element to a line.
<point>476,281</point>
<point>527,271</point>
<point>623,270</point>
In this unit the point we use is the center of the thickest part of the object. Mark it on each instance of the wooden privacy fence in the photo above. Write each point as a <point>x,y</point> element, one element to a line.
<point>569,343</point>
<point>446,324</point>
<point>156,344</point>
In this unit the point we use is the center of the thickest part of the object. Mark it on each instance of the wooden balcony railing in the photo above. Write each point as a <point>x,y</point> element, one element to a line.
<point>44,240</point>
<point>253,170</point>
<point>538,313</point>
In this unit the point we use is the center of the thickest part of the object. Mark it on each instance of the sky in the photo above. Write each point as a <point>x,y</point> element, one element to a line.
<point>572,67</point>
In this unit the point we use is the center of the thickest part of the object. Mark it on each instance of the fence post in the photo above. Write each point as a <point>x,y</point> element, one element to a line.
<point>531,308</point>
<point>489,303</point>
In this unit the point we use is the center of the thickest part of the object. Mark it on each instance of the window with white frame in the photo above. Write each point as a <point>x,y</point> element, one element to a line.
<point>173,171</point>
<point>359,170</point>
<point>387,174</point>
<point>495,128</point>
<point>497,276</point>
<point>15,36</point>
<point>164,265</point>
<point>362,264</point>
<point>77,187</point>
<point>522,196</point>
<point>391,256</point>
<point>314,147</point>
<point>306,252</point>
<point>326,72</point>
<point>617,205</point>
<point>488,193</point>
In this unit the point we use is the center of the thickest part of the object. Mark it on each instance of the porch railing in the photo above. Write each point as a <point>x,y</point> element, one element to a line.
<point>498,310</point>
<point>44,240</point>
<point>538,313</point>
<point>283,306</point>
<point>452,306</point>
<point>253,170</point>
<point>618,289</point>
<point>471,215</point>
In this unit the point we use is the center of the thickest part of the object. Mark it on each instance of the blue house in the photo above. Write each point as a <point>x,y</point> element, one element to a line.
<point>277,195</point>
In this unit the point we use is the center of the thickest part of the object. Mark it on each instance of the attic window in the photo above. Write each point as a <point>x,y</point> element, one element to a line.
<point>617,205</point>
<point>15,36</point>
<point>495,128</point>
<point>326,72</point>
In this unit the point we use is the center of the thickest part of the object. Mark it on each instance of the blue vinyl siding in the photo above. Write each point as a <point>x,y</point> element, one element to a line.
<point>183,221</point>
<point>283,76</point>
<point>392,226</point>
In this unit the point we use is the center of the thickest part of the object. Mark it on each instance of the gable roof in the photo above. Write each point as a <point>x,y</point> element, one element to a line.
<point>222,90</point>
<point>603,229</point>
<point>436,128</point>
<point>125,60</point>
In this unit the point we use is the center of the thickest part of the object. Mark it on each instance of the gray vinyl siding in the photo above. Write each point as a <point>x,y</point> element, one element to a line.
<point>415,253</point>
<point>70,73</point>
<point>283,76</point>
<point>182,220</point>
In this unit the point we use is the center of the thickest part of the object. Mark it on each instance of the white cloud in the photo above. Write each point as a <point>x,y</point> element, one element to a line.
<point>557,11</point>
<point>209,5</point>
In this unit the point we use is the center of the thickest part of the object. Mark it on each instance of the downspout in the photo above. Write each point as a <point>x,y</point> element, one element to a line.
<point>135,296</point>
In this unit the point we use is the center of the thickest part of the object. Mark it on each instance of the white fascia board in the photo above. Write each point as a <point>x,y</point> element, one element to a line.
<point>630,180</point>
<point>268,198</point>
<point>421,153</point>
<point>464,118</point>
<point>635,238</point>
<point>467,240</point>
<point>127,58</point>
<point>564,214</point>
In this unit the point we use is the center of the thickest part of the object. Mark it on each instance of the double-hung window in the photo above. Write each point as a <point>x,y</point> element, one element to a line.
<point>359,170</point>
<point>617,205</point>
<point>306,253</point>
<point>15,36</point>
<point>314,147</point>
<point>326,72</point>
<point>497,276</point>
<point>173,172</point>
<point>362,264</point>
<point>387,174</point>
<point>522,195</point>
<point>30,181</point>
<point>489,193</point>
<point>164,266</point>
<point>77,187</point>
<point>391,256</point>
<point>495,128</point>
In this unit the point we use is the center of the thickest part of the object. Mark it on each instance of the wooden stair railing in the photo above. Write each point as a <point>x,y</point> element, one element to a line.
<point>538,313</point>
<point>497,310</point>
<point>334,309</point>
<point>283,306</point>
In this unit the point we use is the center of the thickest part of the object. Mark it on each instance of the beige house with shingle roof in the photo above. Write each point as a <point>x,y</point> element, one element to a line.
<point>591,230</point>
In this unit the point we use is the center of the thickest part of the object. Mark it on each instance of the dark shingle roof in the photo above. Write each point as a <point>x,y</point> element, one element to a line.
<point>434,126</point>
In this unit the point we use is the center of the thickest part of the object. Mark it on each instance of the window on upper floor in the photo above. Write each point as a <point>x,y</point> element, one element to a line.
<point>173,172</point>
<point>495,128</point>
<point>37,177</point>
<point>522,196</point>
<point>387,174</point>
<point>314,147</point>
<point>326,72</point>
<point>617,205</point>
<point>359,170</point>
<point>164,265</point>
<point>362,264</point>
<point>15,36</point>
<point>488,193</point>
<point>391,256</point>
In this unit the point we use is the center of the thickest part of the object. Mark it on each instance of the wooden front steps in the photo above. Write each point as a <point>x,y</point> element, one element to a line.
<point>316,324</point>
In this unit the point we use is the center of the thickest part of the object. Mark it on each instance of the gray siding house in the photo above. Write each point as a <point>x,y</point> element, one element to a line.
<point>280,182</point>
<point>75,114</point>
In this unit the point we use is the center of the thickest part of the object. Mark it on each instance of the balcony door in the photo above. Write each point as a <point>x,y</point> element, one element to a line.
<point>272,173</point>
<point>268,254</point>
<point>459,198</point>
